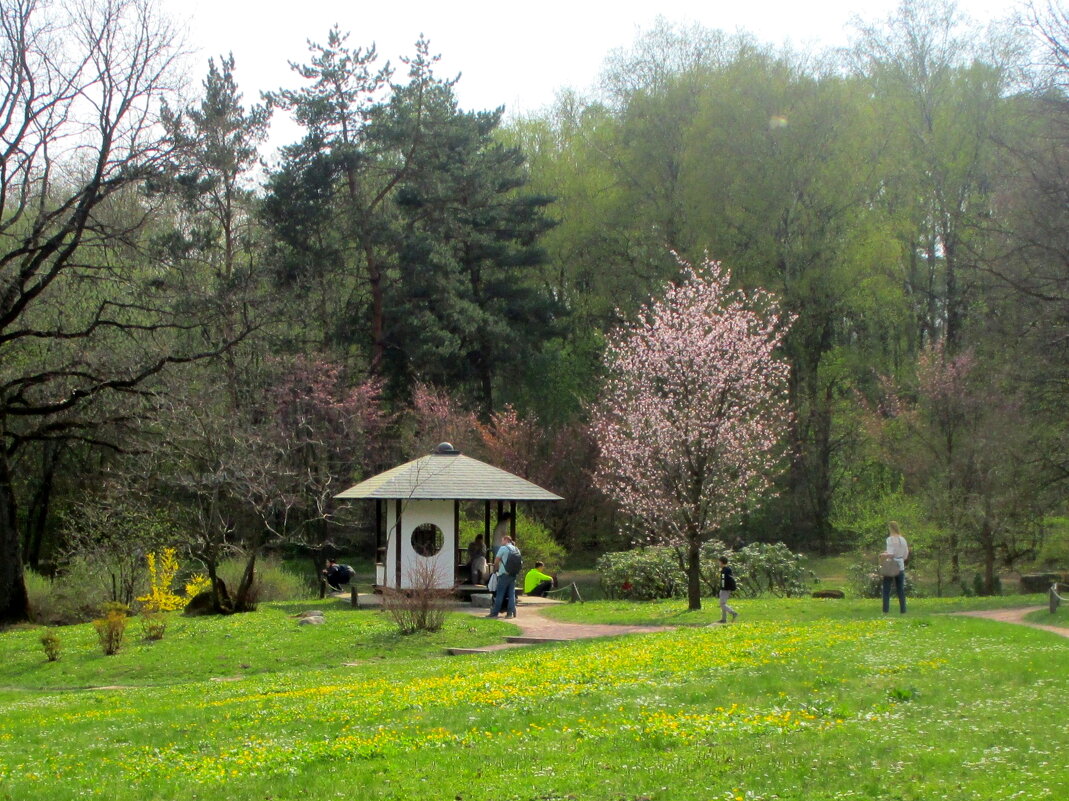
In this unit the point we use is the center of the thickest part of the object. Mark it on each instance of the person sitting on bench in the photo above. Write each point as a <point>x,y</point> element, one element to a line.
<point>536,582</point>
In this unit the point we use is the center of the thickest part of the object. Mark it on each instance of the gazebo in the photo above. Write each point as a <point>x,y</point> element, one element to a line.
<point>417,513</point>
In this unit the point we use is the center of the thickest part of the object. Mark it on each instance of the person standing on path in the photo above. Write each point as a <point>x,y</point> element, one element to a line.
<point>897,552</point>
<point>727,586</point>
<point>505,593</point>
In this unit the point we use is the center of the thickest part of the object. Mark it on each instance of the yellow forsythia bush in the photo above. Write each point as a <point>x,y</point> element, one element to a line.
<point>161,572</point>
<point>197,584</point>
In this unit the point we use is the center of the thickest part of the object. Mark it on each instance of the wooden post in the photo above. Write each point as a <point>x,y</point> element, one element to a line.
<point>355,597</point>
<point>322,588</point>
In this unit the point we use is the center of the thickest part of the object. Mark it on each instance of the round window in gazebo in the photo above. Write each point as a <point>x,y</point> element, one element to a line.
<point>427,539</point>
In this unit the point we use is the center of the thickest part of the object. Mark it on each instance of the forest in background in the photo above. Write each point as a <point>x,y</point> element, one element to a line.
<point>201,349</point>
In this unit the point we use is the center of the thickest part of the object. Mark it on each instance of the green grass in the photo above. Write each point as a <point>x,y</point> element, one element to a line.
<point>1059,618</point>
<point>831,572</point>
<point>793,610</point>
<point>222,648</point>
<point>789,704</point>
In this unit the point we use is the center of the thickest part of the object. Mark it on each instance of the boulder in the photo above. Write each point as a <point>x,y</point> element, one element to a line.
<point>311,620</point>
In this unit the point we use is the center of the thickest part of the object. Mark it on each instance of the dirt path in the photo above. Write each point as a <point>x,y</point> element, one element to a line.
<point>1016,616</point>
<point>535,628</point>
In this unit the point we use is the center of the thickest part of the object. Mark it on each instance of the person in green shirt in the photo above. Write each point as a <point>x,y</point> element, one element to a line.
<point>536,582</point>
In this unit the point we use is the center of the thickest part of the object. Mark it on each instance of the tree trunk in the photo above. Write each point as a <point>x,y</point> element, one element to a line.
<point>374,279</point>
<point>220,597</point>
<point>14,604</point>
<point>694,576</point>
<point>243,601</point>
<point>987,540</point>
<point>40,503</point>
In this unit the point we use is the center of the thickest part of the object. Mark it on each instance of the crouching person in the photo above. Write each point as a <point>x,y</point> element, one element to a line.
<point>538,583</point>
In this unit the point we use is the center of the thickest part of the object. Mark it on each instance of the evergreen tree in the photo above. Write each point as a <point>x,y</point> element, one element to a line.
<point>468,309</point>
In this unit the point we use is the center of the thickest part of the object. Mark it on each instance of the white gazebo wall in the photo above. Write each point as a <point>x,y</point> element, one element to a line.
<point>416,513</point>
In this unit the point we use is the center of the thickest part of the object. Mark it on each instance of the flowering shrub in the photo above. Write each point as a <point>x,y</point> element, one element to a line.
<point>197,584</point>
<point>161,572</point>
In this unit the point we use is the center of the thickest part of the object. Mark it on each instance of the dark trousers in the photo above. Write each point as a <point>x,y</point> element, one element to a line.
<point>504,595</point>
<point>900,590</point>
<point>542,589</point>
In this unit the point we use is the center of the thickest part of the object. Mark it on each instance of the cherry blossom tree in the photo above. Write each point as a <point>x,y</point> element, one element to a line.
<point>691,416</point>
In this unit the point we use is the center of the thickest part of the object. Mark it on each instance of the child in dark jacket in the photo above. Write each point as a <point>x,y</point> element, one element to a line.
<point>727,586</point>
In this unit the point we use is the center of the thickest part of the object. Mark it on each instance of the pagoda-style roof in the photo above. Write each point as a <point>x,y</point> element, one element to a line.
<point>447,474</point>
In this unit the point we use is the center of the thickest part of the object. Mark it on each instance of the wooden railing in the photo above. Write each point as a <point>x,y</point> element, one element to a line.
<point>1055,598</point>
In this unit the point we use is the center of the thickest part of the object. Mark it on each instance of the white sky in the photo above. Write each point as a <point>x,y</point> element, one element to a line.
<point>514,53</point>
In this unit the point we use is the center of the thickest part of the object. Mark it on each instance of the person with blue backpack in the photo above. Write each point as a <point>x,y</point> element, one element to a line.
<point>507,564</point>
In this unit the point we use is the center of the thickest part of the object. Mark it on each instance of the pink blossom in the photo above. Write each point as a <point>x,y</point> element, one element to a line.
<point>691,417</point>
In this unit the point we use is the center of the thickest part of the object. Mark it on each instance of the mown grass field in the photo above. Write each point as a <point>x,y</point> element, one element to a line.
<point>797,701</point>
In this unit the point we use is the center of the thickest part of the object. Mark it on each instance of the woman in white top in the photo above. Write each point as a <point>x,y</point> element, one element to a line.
<point>898,549</point>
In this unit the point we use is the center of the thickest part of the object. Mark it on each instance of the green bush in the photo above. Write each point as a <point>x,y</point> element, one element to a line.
<point>867,582</point>
<point>978,586</point>
<point>39,593</point>
<point>1054,553</point>
<point>641,574</point>
<point>534,540</point>
<point>50,642</point>
<point>153,625</point>
<point>656,572</point>
<point>75,595</point>
<point>110,630</point>
<point>273,581</point>
<point>770,568</point>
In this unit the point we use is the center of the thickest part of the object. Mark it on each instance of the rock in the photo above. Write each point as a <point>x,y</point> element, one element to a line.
<point>829,594</point>
<point>310,613</point>
<point>311,620</point>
